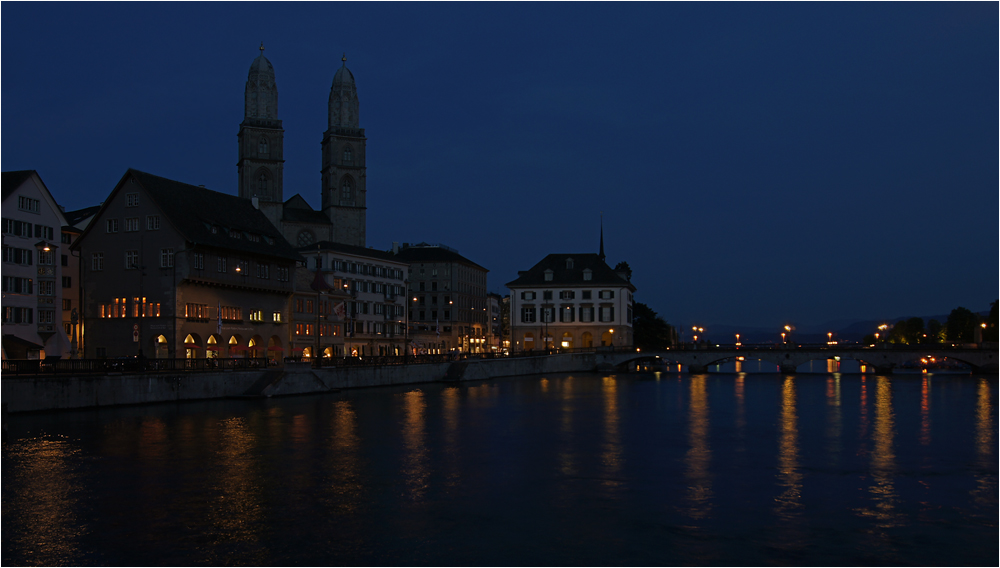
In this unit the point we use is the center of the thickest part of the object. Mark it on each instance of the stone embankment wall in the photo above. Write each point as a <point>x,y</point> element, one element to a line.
<point>25,394</point>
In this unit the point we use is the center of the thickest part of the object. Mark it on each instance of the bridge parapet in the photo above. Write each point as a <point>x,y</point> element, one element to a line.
<point>787,359</point>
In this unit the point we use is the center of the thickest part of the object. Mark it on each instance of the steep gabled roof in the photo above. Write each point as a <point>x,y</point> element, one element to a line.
<point>13,180</point>
<point>74,217</point>
<point>411,255</point>
<point>601,273</point>
<point>194,211</point>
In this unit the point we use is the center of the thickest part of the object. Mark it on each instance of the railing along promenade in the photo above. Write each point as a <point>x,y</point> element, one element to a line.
<point>21,367</point>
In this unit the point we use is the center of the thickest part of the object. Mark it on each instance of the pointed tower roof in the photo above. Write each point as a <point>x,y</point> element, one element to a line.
<point>343,77</point>
<point>601,253</point>
<point>261,93</point>
<point>343,106</point>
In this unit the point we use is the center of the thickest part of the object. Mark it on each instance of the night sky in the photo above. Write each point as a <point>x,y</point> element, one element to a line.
<point>756,164</point>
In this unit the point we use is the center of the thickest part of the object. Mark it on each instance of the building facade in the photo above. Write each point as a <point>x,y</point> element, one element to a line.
<point>570,301</point>
<point>174,270</point>
<point>34,266</point>
<point>355,297</point>
<point>448,307</point>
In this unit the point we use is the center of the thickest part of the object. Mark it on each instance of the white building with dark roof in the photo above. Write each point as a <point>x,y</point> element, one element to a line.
<point>570,301</point>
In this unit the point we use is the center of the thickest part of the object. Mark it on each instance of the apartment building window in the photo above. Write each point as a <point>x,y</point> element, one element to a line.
<point>64,259</point>
<point>166,258</point>
<point>44,258</point>
<point>131,259</point>
<point>27,204</point>
<point>528,314</point>
<point>587,314</point>
<point>196,311</point>
<point>606,294</point>
<point>67,281</point>
<point>46,288</point>
<point>97,261</point>
<point>131,224</point>
<point>16,285</point>
<point>263,271</point>
<point>566,314</point>
<point>67,305</point>
<point>232,313</point>
<point>548,315</point>
<point>17,256</point>
<point>112,225</point>
<point>547,295</point>
<point>221,264</point>
<point>527,295</point>
<point>256,315</point>
<point>45,316</point>
<point>44,232</point>
<point>16,228</point>
<point>198,261</point>
<point>585,294</point>
<point>276,317</point>
<point>152,222</point>
<point>567,295</point>
<point>131,200</point>
<point>447,315</point>
<point>607,313</point>
<point>282,274</point>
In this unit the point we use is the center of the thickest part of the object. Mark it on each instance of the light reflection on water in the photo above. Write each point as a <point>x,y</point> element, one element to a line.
<point>585,469</point>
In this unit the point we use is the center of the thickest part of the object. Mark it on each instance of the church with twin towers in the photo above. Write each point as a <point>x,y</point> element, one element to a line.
<point>261,162</point>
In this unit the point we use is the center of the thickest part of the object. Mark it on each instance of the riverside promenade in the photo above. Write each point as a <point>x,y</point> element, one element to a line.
<point>66,389</point>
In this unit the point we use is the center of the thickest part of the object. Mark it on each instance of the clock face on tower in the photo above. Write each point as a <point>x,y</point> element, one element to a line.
<point>305,238</point>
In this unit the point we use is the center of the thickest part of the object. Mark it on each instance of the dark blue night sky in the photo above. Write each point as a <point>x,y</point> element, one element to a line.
<point>756,164</point>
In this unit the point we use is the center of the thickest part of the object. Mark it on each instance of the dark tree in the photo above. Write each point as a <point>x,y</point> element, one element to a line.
<point>908,332</point>
<point>961,325</point>
<point>624,267</point>
<point>990,333</point>
<point>935,332</point>
<point>649,330</point>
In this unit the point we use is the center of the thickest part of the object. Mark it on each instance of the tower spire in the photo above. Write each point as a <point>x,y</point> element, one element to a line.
<point>601,254</point>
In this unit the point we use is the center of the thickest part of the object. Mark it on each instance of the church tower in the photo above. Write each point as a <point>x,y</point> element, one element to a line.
<point>344,162</point>
<point>261,137</point>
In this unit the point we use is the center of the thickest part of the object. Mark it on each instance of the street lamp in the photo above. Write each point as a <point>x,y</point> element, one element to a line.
<point>738,340</point>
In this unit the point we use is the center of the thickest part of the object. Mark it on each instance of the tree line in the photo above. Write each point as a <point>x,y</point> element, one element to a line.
<point>962,326</point>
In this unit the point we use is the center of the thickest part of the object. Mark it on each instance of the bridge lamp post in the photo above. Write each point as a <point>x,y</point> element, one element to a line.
<point>738,340</point>
<point>782,338</point>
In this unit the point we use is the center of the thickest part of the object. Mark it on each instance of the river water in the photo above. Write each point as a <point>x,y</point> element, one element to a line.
<point>586,469</point>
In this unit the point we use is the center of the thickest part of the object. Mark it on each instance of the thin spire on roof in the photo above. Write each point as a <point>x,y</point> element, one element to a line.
<point>601,253</point>
<point>262,47</point>
<point>344,59</point>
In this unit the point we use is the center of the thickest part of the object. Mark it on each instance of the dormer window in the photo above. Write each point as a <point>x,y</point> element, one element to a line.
<point>588,274</point>
<point>548,275</point>
<point>569,263</point>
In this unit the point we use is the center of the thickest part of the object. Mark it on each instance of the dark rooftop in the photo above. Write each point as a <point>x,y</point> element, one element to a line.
<point>411,255</point>
<point>13,180</point>
<point>601,273</point>
<point>194,211</point>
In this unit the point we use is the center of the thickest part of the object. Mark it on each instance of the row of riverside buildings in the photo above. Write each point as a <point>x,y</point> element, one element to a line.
<point>165,269</point>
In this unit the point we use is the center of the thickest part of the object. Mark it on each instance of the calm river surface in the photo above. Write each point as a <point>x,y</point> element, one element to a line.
<point>640,469</point>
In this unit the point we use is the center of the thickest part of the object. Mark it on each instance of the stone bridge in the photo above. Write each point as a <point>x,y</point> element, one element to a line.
<point>787,359</point>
